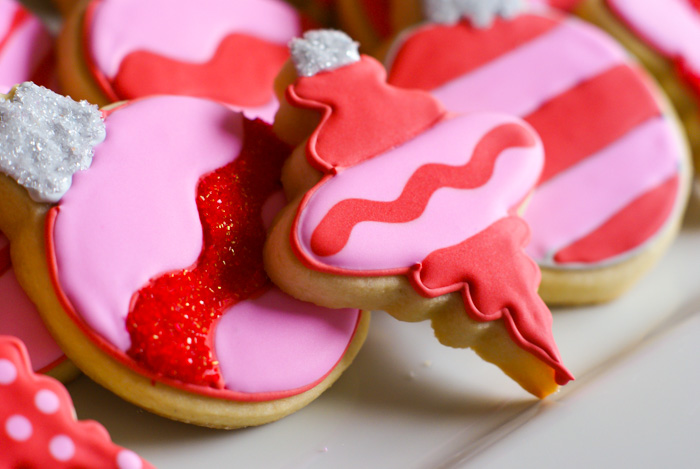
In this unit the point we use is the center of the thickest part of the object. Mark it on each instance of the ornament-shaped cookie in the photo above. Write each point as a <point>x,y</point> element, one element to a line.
<point>616,175</point>
<point>143,253</point>
<point>400,206</point>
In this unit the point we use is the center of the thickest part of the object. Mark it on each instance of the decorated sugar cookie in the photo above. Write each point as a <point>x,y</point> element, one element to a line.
<point>19,318</point>
<point>664,35</point>
<point>226,50</point>
<point>26,48</point>
<point>152,272</point>
<point>38,426</point>
<point>615,179</point>
<point>398,205</point>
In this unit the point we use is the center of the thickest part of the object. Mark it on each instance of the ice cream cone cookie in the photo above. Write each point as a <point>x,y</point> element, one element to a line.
<point>664,35</point>
<point>229,51</point>
<point>400,206</point>
<point>39,428</point>
<point>616,174</point>
<point>143,253</point>
<point>26,48</point>
<point>19,318</point>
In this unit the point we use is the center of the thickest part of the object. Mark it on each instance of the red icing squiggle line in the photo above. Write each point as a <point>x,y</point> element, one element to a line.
<point>38,428</point>
<point>412,112</point>
<point>171,319</point>
<point>623,231</point>
<point>333,232</point>
<point>485,266</point>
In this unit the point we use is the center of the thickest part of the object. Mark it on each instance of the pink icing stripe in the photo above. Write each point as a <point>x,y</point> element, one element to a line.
<point>382,246</point>
<point>109,241</point>
<point>24,51</point>
<point>8,8</point>
<point>533,73</point>
<point>576,202</point>
<point>189,31</point>
<point>671,26</point>
<point>19,318</point>
<point>276,343</point>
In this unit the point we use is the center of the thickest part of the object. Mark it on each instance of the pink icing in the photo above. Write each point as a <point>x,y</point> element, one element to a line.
<point>187,31</point>
<point>670,26</point>
<point>386,246</point>
<point>618,173</point>
<point>542,76</point>
<point>24,49</point>
<point>99,221</point>
<point>275,342</point>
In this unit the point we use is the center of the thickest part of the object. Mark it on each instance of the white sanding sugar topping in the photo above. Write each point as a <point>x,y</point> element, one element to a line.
<point>481,13</point>
<point>323,49</point>
<point>45,138</point>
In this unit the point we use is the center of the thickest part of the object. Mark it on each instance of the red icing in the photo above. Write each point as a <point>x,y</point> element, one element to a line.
<point>480,47</point>
<point>689,76</point>
<point>171,320</point>
<point>20,398</point>
<point>566,5</point>
<point>334,231</point>
<point>378,12</point>
<point>491,260</point>
<point>624,232</point>
<point>485,266</point>
<point>592,123</point>
<point>696,4</point>
<point>395,115</point>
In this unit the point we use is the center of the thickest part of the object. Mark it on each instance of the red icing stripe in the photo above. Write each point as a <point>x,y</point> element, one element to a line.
<point>378,13</point>
<point>624,230</point>
<point>241,72</point>
<point>359,126</point>
<point>331,235</point>
<point>38,427</point>
<point>21,15</point>
<point>486,266</point>
<point>587,118</point>
<point>171,319</point>
<point>480,46</point>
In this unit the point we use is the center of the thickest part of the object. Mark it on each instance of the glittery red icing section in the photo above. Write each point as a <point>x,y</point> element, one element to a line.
<point>172,318</point>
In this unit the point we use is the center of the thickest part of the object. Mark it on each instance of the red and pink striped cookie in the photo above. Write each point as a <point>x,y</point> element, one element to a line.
<point>615,179</point>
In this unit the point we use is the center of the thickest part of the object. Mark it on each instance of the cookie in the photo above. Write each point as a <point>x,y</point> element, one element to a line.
<point>664,35</point>
<point>230,51</point>
<point>39,428</point>
<point>616,176</point>
<point>26,48</point>
<point>397,205</point>
<point>19,318</point>
<point>147,262</point>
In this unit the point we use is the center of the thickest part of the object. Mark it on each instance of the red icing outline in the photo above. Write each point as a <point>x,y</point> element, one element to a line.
<point>130,363</point>
<point>496,242</point>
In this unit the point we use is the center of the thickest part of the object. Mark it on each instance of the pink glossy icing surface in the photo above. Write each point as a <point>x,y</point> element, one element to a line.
<point>670,26</point>
<point>276,343</point>
<point>25,47</point>
<point>189,31</point>
<point>387,246</point>
<point>110,240</point>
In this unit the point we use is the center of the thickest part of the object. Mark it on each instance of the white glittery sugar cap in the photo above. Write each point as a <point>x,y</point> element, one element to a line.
<point>45,138</point>
<point>321,50</point>
<point>481,13</point>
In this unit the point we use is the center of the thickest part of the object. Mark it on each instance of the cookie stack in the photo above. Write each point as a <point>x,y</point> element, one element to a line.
<point>271,185</point>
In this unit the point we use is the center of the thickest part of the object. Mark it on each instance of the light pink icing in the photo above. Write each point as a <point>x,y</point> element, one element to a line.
<point>27,46</point>
<point>189,31</point>
<point>275,342</point>
<point>670,26</point>
<point>19,318</point>
<point>602,185</point>
<point>540,74</point>
<point>109,239</point>
<point>380,246</point>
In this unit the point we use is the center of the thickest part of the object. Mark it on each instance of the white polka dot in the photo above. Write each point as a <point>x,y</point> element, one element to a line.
<point>8,371</point>
<point>46,401</point>
<point>62,448</point>
<point>128,460</point>
<point>19,428</point>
